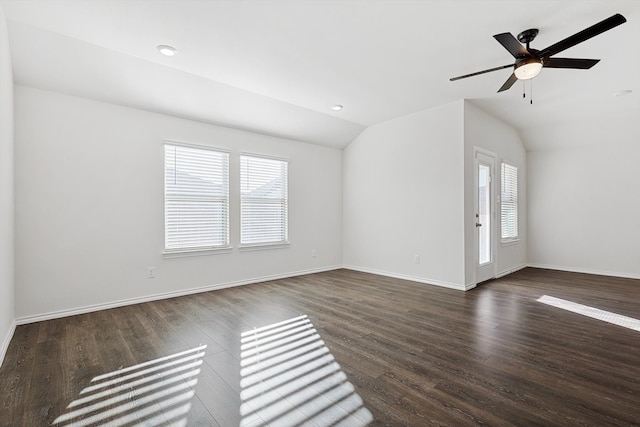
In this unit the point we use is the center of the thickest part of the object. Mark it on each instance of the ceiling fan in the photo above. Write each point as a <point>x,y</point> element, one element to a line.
<point>529,61</point>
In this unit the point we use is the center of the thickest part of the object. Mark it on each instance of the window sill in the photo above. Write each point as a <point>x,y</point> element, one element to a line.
<point>509,242</point>
<point>263,246</point>
<point>182,253</point>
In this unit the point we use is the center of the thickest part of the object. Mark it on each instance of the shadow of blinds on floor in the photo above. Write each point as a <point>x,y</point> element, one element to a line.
<point>289,378</point>
<point>152,393</point>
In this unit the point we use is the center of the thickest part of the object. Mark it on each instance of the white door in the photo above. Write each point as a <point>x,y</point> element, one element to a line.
<point>485,245</point>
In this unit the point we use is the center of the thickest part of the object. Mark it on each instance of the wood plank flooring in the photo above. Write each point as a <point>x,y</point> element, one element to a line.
<point>416,355</point>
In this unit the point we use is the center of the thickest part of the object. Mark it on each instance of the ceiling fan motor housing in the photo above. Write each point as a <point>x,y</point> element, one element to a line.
<point>527,36</point>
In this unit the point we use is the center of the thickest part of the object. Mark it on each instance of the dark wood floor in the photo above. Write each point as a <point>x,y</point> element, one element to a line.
<point>417,355</point>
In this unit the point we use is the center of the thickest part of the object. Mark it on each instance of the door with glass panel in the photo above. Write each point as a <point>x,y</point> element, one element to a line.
<point>485,247</point>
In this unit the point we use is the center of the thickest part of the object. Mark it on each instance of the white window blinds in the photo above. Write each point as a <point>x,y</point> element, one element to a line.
<point>509,202</point>
<point>263,200</point>
<point>196,189</point>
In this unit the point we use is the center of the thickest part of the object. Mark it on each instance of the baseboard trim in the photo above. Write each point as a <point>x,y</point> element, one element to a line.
<point>120,303</point>
<point>407,277</point>
<point>513,270</point>
<point>585,271</point>
<point>7,340</point>
<point>155,297</point>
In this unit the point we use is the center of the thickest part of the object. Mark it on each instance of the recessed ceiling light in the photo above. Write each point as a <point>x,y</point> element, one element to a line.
<point>622,92</point>
<point>167,50</point>
<point>337,107</point>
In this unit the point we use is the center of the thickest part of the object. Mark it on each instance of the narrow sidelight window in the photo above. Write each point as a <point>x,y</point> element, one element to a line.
<point>509,202</point>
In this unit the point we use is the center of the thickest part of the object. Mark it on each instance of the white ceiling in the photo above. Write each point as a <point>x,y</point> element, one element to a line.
<point>277,66</point>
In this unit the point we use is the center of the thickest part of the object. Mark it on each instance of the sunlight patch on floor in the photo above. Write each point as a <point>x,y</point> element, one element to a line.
<point>595,313</point>
<point>153,393</point>
<point>289,378</point>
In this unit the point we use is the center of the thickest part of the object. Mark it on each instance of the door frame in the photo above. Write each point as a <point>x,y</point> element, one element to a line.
<point>490,269</point>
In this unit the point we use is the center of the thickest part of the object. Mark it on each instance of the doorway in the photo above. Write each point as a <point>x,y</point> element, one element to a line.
<point>485,218</point>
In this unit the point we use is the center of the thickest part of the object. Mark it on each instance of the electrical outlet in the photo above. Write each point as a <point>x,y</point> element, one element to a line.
<point>313,253</point>
<point>151,272</point>
<point>416,258</point>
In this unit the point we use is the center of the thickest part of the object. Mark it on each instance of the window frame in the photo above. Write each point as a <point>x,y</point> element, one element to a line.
<point>186,251</point>
<point>249,246</point>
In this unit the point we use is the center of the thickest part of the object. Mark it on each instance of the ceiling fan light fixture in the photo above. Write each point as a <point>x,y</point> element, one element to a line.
<point>528,69</point>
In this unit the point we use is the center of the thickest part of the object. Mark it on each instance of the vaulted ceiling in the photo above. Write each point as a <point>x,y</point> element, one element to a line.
<point>277,66</point>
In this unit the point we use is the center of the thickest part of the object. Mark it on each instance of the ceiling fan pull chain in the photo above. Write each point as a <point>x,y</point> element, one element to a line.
<point>531,89</point>
<point>524,89</point>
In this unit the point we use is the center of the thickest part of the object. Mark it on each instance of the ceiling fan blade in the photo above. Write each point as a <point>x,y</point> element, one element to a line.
<point>481,72</point>
<point>512,44</point>
<point>510,81</point>
<point>581,64</point>
<point>586,34</point>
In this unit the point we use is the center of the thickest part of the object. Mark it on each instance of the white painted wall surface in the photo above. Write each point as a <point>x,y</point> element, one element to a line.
<point>89,206</point>
<point>403,196</point>
<point>485,131</point>
<point>584,201</point>
<point>7,305</point>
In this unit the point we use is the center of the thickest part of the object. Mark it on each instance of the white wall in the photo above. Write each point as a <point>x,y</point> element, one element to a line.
<point>485,131</point>
<point>7,306</point>
<point>89,206</point>
<point>584,200</point>
<point>403,195</point>
<point>423,164</point>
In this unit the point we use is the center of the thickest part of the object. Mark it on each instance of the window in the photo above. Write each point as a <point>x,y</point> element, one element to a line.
<point>509,202</point>
<point>196,193</point>
<point>263,201</point>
